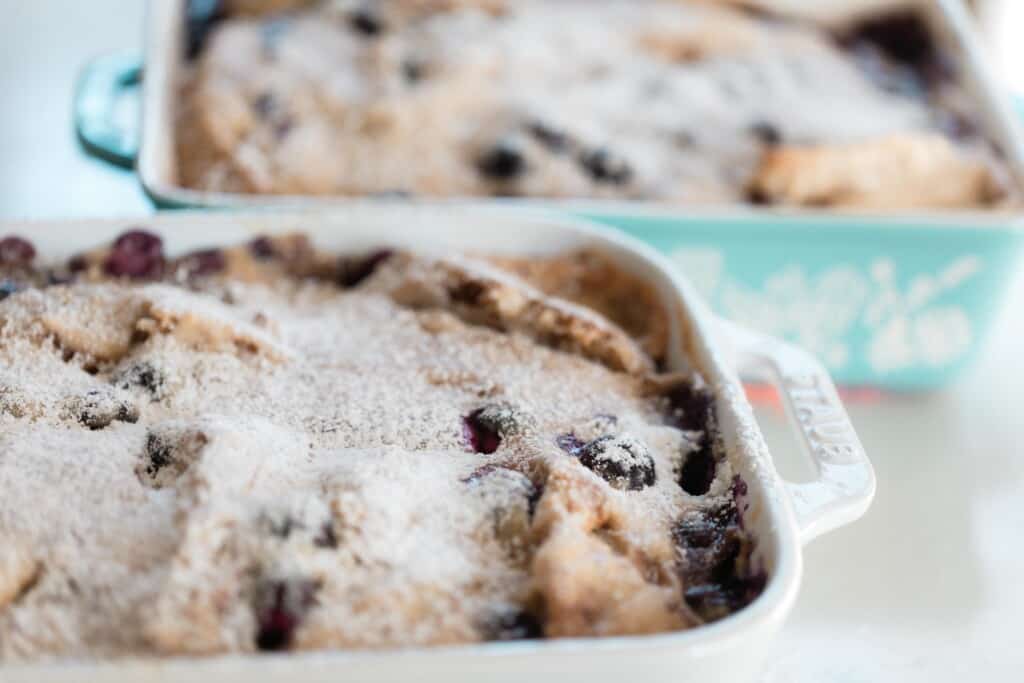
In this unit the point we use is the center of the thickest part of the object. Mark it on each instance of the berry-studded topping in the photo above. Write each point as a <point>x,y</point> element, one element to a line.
<point>17,251</point>
<point>352,271</point>
<point>480,434</point>
<point>604,167</point>
<point>503,161</point>
<point>712,548</point>
<point>512,624</point>
<point>205,262</point>
<point>98,408</point>
<point>136,254</point>
<point>280,606</point>
<point>622,460</point>
<point>698,471</point>
<point>367,21</point>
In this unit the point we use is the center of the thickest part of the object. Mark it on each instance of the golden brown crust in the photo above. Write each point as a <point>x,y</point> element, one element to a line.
<point>907,170</point>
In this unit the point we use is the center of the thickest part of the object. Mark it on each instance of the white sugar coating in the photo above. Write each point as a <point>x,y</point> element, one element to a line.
<point>638,99</point>
<point>289,452</point>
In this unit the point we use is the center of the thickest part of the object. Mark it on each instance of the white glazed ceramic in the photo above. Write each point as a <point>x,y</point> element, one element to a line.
<point>782,515</point>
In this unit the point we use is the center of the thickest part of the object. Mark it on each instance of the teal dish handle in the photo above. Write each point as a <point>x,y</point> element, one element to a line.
<point>101,85</point>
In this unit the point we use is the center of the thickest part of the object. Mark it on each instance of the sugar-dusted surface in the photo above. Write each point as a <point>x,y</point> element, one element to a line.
<point>656,100</point>
<point>259,463</point>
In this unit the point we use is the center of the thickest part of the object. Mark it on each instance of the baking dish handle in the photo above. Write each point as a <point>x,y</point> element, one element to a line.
<point>100,86</point>
<point>845,482</point>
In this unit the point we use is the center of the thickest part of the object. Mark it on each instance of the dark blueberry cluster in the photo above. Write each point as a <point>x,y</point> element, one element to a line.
<point>622,460</point>
<point>713,545</point>
<point>136,254</point>
<point>98,408</point>
<point>16,251</point>
<point>279,606</point>
<point>766,132</point>
<point>504,161</point>
<point>512,624</point>
<point>484,428</point>
<point>158,454</point>
<point>367,20</point>
<point>605,167</point>
<point>143,375</point>
<point>480,434</point>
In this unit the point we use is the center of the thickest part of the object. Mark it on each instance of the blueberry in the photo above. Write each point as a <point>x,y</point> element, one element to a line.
<point>902,36</point>
<point>413,70</point>
<point>766,133</point>
<point>15,250</point>
<point>698,471</point>
<point>262,248</point>
<point>158,454</point>
<point>77,263</point>
<point>142,374</point>
<point>622,460</point>
<point>484,429</point>
<point>758,197</point>
<point>691,404</point>
<point>280,606</point>
<point>352,271</point>
<point>552,138</point>
<point>604,167</point>
<point>136,254</point>
<point>264,105</point>
<point>205,262</point>
<point>98,408</point>
<point>326,536</point>
<point>503,161</point>
<point>512,624</point>
<point>367,21</point>
<point>480,435</point>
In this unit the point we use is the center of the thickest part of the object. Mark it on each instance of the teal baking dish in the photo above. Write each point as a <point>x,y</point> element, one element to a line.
<point>899,300</point>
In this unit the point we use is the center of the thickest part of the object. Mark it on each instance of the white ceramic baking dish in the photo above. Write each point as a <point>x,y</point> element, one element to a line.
<point>774,270</point>
<point>783,515</point>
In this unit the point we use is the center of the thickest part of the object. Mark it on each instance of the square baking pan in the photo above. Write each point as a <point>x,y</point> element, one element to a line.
<point>901,300</point>
<point>782,515</point>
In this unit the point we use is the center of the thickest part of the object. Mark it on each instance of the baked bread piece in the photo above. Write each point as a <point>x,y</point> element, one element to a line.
<point>909,171</point>
<point>270,447</point>
<point>659,100</point>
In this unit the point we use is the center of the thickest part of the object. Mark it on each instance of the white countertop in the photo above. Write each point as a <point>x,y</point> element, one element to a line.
<point>928,587</point>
